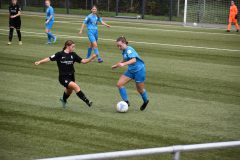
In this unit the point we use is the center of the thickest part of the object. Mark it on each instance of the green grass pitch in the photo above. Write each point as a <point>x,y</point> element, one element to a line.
<point>193,82</point>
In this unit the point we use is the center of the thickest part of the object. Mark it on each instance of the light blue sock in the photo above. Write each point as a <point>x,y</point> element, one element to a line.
<point>144,96</point>
<point>123,93</point>
<point>51,35</point>
<point>89,52</point>
<point>97,52</point>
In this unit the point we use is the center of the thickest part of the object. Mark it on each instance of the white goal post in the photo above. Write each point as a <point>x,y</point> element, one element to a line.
<point>206,12</point>
<point>151,151</point>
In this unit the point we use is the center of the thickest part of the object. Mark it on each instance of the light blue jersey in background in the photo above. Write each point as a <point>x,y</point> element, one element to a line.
<point>50,12</point>
<point>92,21</point>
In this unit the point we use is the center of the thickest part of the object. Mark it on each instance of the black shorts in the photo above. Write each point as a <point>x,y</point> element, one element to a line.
<point>15,23</point>
<point>66,79</point>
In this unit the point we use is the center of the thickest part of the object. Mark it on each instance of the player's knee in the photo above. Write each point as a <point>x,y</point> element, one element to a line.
<point>119,85</point>
<point>140,90</point>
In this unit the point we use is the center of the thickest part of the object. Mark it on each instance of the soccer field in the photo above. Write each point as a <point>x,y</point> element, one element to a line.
<point>193,82</point>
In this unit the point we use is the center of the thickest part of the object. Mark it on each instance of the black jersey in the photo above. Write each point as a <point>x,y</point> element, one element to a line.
<point>13,10</point>
<point>65,62</point>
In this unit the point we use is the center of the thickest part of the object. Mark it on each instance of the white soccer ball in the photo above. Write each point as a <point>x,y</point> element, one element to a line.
<point>122,107</point>
<point>195,24</point>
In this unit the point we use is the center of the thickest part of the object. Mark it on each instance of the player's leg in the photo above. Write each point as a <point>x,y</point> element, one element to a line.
<point>229,24</point>
<point>10,35</point>
<point>140,77</point>
<point>123,80</point>
<point>18,27</point>
<point>95,46</point>
<point>72,85</point>
<point>52,37</point>
<point>89,52</point>
<point>48,35</point>
<point>236,24</point>
<point>141,90</point>
<point>66,95</point>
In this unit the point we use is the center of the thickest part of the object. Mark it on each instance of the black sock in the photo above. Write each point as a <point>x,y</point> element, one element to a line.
<point>10,36</point>
<point>19,34</point>
<point>82,96</point>
<point>65,96</point>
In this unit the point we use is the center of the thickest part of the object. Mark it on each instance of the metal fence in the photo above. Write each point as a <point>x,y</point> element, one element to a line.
<point>168,10</point>
<point>176,150</point>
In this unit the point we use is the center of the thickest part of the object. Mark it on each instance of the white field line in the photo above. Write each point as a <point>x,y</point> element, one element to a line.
<point>126,22</point>
<point>155,29</point>
<point>36,34</point>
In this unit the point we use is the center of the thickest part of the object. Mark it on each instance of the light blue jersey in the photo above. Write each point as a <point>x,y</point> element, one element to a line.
<point>130,53</point>
<point>50,12</point>
<point>92,21</point>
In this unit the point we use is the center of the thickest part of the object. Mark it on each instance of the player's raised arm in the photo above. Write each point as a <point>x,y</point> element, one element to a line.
<point>45,60</point>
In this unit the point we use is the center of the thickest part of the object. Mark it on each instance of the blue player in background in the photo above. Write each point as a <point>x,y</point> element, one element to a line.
<point>136,70</point>
<point>49,22</point>
<point>92,25</point>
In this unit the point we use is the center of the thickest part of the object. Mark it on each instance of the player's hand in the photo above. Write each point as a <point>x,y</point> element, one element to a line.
<point>80,32</point>
<point>121,64</point>
<point>37,63</point>
<point>108,26</point>
<point>115,66</point>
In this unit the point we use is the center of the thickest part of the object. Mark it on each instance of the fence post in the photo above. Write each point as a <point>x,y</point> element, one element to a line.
<point>117,1</point>
<point>143,8</point>
<point>185,13</point>
<point>170,11</point>
<point>44,7</point>
<point>176,155</point>
<point>91,3</point>
<point>67,6</point>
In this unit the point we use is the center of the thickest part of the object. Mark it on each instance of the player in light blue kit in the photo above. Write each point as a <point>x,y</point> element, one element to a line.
<point>136,70</point>
<point>49,22</point>
<point>92,25</point>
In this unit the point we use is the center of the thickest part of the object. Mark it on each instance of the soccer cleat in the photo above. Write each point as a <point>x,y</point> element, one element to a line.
<point>127,103</point>
<point>9,43</point>
<point>48,43</point>
<point>100,60</point>
<point>89,103</point>
<point>228,30</point>
<point>237,30</point>
<point>55,39</point>
<point>20,42</point>
<point>144,105</point>
<point>64,104</point>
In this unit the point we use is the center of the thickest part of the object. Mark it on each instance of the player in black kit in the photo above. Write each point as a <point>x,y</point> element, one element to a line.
<point>14,21</point>
<point>65,61</point>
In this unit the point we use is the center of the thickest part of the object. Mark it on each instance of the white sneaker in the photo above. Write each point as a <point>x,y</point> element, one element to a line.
<point>20,42</point>
<point>9,43</point>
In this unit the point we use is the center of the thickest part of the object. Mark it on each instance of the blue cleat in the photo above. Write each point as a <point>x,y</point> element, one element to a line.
<point>64,104</point>
<point>100,60</point>
<point>55,39</point>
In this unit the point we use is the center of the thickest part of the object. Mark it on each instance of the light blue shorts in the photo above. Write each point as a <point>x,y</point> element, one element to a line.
<point>93,35</point>
<point>49,25</point>
<point>138,76</point>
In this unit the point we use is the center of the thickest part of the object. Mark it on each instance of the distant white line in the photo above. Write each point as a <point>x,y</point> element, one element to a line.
<point>156,29</point>
<point>126,22</point>
<point>145,43</point>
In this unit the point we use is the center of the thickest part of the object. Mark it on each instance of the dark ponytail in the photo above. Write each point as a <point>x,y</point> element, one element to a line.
<point>122,39</point>
<point>68,43</point>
